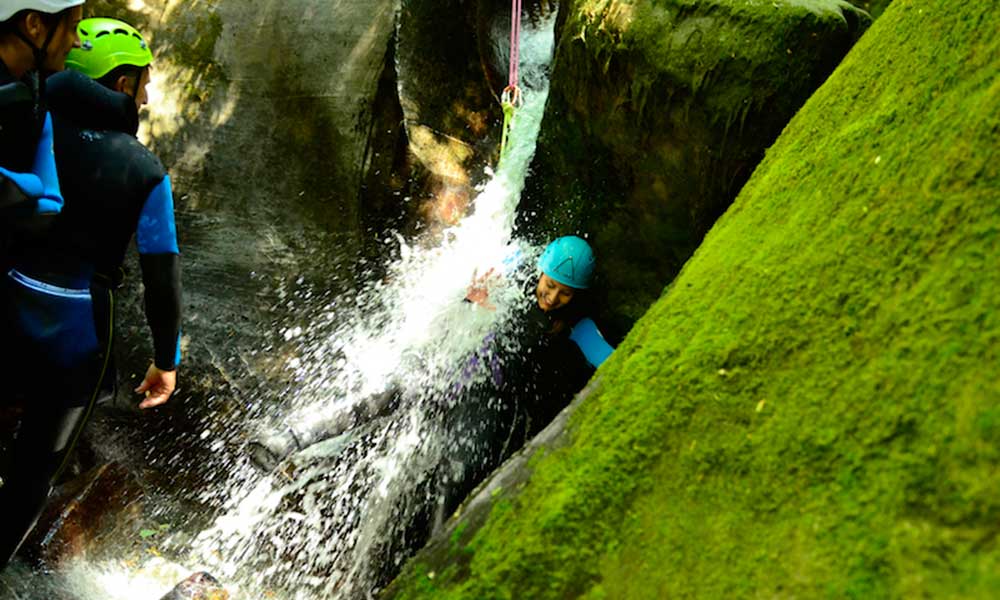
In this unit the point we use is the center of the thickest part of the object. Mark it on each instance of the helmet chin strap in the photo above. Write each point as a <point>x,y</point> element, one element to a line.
<point>38,74</point>
<point>40,54</point>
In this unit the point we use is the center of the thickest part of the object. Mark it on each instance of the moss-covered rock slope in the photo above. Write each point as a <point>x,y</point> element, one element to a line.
<point>812,410</point>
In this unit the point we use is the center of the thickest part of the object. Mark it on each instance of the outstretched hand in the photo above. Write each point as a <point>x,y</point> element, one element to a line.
<point>157,385</point>
<point>479,290</point>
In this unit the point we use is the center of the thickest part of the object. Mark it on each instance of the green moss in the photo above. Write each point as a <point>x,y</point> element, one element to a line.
<point>752,47</point>
<point>812,409</point>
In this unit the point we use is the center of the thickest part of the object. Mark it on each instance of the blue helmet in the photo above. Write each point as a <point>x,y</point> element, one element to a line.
<point>570,261</point>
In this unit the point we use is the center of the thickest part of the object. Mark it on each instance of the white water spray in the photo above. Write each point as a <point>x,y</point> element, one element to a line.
<point>313,532</point>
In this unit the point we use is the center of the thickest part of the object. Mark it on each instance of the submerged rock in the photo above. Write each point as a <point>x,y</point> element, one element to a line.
<point>658,113</point>
<point>199,586</point>
<point>811,410</point>
<point>83,513</point>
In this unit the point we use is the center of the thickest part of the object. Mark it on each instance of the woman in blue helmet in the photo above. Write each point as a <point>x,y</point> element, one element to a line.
<point>557,348</point>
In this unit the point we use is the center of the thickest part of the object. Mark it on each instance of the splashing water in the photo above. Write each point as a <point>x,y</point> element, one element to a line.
<point>343,513</point>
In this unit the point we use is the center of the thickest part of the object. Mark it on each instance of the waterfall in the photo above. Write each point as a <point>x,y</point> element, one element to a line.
<point>345,510</point>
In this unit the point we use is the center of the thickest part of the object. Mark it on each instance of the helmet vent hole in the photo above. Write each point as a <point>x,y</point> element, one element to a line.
<point>102,33</point>
<point>121,31</point>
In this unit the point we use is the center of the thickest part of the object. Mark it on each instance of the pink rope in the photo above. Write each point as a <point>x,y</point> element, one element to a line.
<point>515,41</point>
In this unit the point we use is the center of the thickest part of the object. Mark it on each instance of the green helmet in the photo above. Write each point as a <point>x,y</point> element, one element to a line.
<point>107,44</point>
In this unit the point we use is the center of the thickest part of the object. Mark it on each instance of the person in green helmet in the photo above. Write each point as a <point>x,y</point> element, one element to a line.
<point>58,300</point>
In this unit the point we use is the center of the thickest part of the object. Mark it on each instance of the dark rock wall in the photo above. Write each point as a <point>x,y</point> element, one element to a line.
<point>658,113</point>
<point>262,112</point>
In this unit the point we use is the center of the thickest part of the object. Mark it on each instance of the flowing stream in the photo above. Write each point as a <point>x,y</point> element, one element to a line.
<point>340,517</point>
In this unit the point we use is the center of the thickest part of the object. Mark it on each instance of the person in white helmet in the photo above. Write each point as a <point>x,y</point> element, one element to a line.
<point>35,38</point>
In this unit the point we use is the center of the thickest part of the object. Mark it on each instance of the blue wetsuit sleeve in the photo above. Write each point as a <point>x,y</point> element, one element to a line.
<point>159,257</point>
<point>50,201</point>
<point>29,183</point>
<point>586,335</point>
<point>42,183</point>
<point>157,232</point>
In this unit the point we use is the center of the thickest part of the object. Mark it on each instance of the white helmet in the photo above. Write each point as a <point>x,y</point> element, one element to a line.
<point>12,7</point>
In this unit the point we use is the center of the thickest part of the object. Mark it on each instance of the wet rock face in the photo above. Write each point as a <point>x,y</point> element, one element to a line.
<point>447,106</point>
<point>659,112</point>
<point>83,514</point>
<point>261,111</point>
<point>452,59</point>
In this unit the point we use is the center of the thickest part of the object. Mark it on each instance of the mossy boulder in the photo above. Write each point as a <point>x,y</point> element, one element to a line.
<point>658,113</point>
<point>812,410</point>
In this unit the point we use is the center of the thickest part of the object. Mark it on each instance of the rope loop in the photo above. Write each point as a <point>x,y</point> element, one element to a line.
<point>512,95</point>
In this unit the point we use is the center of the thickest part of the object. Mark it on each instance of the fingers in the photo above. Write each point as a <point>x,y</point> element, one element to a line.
<point>157,385</point>
<point>157,394</point>
<point>477,279</point>
<point>155,399</point>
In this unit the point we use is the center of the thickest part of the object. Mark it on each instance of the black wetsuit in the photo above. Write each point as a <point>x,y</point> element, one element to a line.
<point>534,372</point>
<point>58,312</point>
<point>21,119</point>
<point>29,188</point>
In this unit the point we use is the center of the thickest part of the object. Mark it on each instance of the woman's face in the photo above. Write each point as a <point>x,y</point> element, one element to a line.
<point>551,294</point>
<point>64,39</point>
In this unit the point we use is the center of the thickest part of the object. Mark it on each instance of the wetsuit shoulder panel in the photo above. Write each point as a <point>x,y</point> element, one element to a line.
<point>156,232</point>
<point>588,337</point>
<point>29,184</point>
<point>50,201</point>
